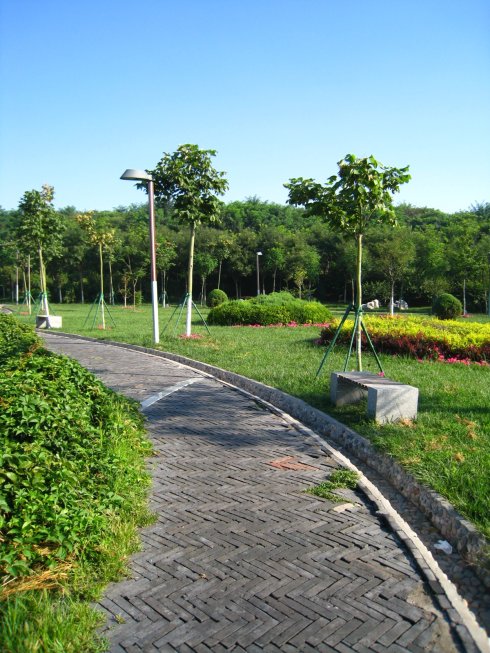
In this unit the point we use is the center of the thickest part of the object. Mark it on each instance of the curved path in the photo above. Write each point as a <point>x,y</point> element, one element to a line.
<point>240,558</point>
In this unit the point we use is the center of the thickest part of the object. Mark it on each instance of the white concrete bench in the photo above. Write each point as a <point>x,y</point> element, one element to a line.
<point>387,401</point>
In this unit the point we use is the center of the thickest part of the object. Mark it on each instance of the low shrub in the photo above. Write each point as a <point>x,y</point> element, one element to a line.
<point>283,310</point>
<point>16,338</point>
<point>71,459</point>
<point>420,337</point>
<point>216,297</point>
<point>447,307</point>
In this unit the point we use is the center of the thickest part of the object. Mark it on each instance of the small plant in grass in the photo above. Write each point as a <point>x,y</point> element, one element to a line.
<point>216,297</point>
<point>447,307</point>
<point>340,478</point>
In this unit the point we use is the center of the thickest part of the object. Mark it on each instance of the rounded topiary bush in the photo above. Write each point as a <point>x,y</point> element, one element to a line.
<point>216,297</point>
<point>447,307</point>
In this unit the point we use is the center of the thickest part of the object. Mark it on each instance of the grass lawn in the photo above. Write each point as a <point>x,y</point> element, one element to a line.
<point>448,447</point>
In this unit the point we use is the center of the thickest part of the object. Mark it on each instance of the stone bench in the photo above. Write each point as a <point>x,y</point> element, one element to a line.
<point>387,401</point>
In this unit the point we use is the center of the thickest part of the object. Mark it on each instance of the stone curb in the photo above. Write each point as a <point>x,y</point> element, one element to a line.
<point>311,422</point>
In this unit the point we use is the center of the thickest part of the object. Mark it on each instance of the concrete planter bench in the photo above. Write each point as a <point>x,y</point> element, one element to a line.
<point>387,401</point>
<point>49,321</point>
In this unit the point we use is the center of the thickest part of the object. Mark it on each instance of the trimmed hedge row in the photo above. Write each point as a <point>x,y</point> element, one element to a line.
<point>282,310</point>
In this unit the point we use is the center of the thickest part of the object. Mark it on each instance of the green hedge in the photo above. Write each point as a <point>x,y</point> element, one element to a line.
<point>71,454</point>
<point>278,310</point>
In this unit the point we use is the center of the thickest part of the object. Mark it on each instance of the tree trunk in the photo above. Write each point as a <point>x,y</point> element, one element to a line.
<point>464,296</point>
<point>82,295</point>
<point>164,288</point>
<point>219,273</point>
<point>189,280</point>
<point>111,287</point>
<point>29,301</point>
<point>44,290</point>
<point>392,300</point>
<point>359,301</point>
<point>203,290</point>
<point>274,280</point>
<point>101,298</point>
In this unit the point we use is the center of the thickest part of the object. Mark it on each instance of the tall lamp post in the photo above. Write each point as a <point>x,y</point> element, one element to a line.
<point>258,274</point>
<point>141,175</point>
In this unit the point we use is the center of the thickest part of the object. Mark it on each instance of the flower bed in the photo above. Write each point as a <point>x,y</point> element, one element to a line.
<point>421,337</point>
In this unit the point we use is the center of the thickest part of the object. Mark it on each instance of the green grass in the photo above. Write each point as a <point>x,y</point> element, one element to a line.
<point>448,447</point>
<point>339,479</point>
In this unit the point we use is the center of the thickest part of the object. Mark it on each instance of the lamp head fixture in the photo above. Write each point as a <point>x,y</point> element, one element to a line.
<point>136,175</point>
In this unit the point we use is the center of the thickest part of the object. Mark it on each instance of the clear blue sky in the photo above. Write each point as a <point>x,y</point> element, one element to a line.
<point>280,88</point>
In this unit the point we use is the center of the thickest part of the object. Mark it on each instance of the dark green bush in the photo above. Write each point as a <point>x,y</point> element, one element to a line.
<point>216,297</point>
<point>447,307</point>
<point>257,311</point>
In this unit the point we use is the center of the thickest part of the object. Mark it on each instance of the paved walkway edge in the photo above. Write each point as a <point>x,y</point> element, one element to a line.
<point>305,418</point>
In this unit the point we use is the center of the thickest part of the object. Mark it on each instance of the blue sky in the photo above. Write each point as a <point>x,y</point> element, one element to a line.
<point>280,88</point>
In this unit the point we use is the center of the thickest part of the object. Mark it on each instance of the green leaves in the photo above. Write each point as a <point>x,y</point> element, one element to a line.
<point>68,448</point>
<point>188,179</point>
<point>359,195</point>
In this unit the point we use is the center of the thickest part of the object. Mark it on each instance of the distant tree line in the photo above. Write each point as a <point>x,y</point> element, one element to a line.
<point>429,252</point>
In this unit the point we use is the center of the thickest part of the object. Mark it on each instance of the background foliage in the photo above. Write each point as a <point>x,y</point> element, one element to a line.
<point>429,253</point>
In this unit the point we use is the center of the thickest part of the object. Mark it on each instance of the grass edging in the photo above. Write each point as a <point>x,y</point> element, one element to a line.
<point>461,533</point>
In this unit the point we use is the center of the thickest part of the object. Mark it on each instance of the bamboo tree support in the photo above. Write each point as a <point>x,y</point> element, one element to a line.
<point>99,305</point>
<point>187,301</point>
<point>358,325</point>
<point>27,301</point>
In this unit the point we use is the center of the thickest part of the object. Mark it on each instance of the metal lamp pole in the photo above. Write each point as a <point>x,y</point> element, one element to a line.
<point>141,175</point>
<point>258,274</point>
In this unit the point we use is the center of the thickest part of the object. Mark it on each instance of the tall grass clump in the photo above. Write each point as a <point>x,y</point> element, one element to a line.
<point>72,490</point>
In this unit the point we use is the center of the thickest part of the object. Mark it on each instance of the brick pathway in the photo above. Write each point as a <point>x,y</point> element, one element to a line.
<point>240,558</point>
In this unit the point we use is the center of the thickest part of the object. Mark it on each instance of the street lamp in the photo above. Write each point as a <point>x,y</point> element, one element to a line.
<point>141,175</point>
<point>258,275</point>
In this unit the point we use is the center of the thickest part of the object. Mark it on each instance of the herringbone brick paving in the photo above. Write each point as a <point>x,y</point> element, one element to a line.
<point>240,558</point>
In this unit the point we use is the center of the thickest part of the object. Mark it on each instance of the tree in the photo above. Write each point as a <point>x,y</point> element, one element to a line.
<point>41,229</point>
<point>431,264</point>
<point>394,252</point>
<point>166,255</point>
<point>222,249</point>
<point>103,238</point>
<point>188,180</point>
<point>361,195</point>
<point>302,263</point>
<point>205,264</point>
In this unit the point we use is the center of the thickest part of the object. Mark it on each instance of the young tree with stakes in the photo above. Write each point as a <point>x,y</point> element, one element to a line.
<point>188,180</point>
<point>41,229</point>
<point>104,239</point>
<point>360,195</point>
